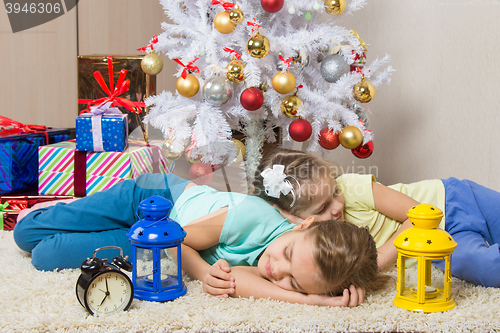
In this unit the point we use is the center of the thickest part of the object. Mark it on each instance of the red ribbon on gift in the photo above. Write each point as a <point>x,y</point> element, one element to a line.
<point>154,40</point>
<point>226,5</point>
<point>187,67</point>
<point>113,92</point>
<point>9,127</point>
<point>237,55</point>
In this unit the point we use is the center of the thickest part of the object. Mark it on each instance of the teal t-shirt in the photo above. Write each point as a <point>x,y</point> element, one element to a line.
<point>251,223</point>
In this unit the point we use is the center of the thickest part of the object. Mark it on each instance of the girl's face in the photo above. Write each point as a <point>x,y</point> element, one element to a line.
<point>289,263</point>
<point>327,201</point>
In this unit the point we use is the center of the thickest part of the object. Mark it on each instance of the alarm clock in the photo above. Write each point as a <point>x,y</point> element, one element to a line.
<point>102,288</point>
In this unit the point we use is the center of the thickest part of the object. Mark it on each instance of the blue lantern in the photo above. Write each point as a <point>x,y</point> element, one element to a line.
<point>155,276</point>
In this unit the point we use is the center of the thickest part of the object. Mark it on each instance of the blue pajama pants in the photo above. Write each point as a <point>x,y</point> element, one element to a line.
<point>473,220</point>
<point>64,235</point>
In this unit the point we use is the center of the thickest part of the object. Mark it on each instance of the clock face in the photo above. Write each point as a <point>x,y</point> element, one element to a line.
<point>108,293</point>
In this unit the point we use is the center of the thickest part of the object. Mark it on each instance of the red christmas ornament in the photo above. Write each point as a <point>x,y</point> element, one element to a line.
<point>200,173</point>
<point>363,151</point>
<point>300,130</point>
<point>272,6</point>
<point>328,139</point>
<point>251,99</point>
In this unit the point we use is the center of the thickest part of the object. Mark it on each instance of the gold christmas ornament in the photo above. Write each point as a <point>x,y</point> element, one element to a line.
<point>236,15</point>
<point>334,7</point>
<point>258,46</point>
<point>240,151</point>
<point>189,86</point>
<point>363,91</point>
<point>351,137</point>
<point>290,105</point>
<point>284,83</point>
<point>223,24</point>
<point>192,157</point>
<point>166,150</point>
<point>152,64</point>
<point>235,71</point>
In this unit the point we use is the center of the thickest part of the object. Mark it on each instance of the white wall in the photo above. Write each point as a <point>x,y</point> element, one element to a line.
<point>439,117</point>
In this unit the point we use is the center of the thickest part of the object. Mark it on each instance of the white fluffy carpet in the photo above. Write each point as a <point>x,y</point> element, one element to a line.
<point>33,301</point>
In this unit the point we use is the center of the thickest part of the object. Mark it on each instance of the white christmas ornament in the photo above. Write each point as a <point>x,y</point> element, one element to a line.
<point>217,90</point>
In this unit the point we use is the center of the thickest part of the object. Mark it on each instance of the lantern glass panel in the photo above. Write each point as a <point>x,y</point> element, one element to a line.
<point>147,260</point>
<point>144,267</point>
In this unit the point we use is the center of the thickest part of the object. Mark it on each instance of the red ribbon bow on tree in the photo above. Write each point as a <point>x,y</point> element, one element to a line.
<point>9,127</point>
<point>226,5</point>
<point>254,25</point>
<point>231,51</point>
<point>187,67</point>
<point>113,92</point>
<point>153,41</point>
<point>286,61</point>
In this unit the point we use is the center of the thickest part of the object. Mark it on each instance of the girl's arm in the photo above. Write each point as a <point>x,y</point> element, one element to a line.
<point>251,284</point>
<point>204,232</point>
<point>395,205</point>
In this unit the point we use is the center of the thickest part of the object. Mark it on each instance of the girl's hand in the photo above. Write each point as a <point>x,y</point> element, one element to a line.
<point>291,218</point>
<point>351,297</point>
<point>217,281</point>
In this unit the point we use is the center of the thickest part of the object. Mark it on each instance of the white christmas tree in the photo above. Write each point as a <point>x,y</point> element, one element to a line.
<point>255,65</point>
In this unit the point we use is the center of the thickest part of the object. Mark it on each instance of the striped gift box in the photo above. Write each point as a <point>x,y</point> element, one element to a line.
<point>103,169</point>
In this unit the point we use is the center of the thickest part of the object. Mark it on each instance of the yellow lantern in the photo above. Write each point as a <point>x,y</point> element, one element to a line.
<point>425,243</point>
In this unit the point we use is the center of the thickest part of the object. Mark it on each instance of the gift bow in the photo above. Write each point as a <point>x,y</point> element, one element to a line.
<point>187,67</point>
<point>274,181</point>
<point>113,92</point>
<point>226,5</point>
<point>3,209</point>
<point>9,126</point>
<point>103,109</point>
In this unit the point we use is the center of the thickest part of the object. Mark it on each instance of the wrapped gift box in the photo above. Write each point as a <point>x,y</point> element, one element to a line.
<point>19,158</point>
<point>102,133</point>
<point>11,206</point>
<point>141,86</point>
<point>65,171</point>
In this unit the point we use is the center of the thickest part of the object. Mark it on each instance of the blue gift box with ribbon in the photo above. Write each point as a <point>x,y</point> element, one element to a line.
<point>102,129</point>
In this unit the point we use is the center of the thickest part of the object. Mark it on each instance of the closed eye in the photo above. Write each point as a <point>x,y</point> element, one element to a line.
<point>287,257</point>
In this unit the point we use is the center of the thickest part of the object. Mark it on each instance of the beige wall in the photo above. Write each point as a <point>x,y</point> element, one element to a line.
<point>438,117</point>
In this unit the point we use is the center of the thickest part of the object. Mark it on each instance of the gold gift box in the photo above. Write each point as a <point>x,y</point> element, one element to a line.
<point>142,85</point>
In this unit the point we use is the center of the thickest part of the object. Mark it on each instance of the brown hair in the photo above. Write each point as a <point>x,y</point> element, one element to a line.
<point>300,167</point>
<point>345,254</point>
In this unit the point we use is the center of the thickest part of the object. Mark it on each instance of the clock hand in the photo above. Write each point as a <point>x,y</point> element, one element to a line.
<point>106,292</point>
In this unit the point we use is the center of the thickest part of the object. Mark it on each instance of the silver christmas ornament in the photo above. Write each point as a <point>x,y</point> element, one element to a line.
<point>361,113</point>
<point>217,90</point>
<point>333,67</point>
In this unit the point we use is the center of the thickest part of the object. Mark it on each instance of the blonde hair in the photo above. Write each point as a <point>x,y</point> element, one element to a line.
<point>300,168</point>
<point>345,254</point>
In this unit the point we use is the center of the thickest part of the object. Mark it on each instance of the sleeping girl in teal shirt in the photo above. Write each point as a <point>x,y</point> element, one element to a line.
<point>270,257</point>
